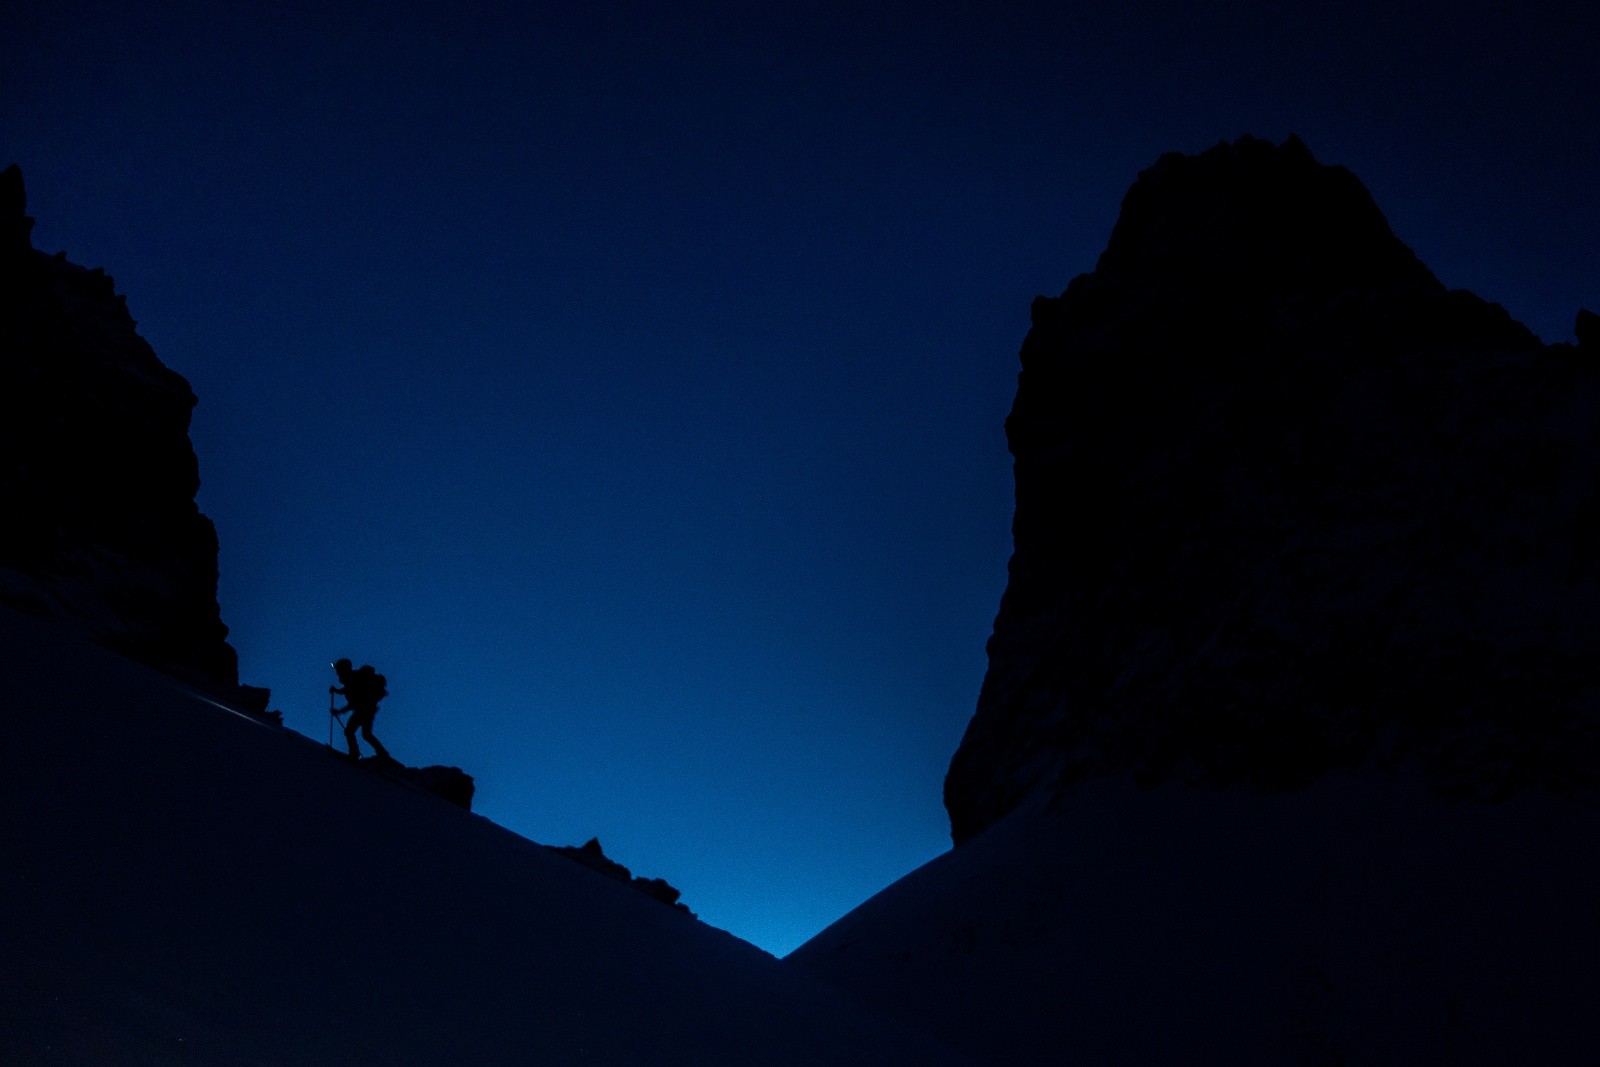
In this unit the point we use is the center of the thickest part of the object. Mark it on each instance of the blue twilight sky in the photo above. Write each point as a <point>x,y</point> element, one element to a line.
<point>627,381</point>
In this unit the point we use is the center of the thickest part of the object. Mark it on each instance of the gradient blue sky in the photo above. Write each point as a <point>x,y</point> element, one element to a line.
<point>627,381</point>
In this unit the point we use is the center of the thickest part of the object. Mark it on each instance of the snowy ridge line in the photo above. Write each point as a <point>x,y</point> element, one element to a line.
<point>179,890</point>
<point>196,694</point>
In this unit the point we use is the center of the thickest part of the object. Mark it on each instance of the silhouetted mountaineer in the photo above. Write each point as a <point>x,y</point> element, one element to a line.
<point>362,689</point>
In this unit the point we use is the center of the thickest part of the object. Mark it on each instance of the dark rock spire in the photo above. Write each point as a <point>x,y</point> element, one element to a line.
<point>1285,504</point>
<point>97,472</point>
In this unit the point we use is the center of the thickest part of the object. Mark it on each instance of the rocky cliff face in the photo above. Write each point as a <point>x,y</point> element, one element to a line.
<point>1285,504</point>
<point>98,476</point>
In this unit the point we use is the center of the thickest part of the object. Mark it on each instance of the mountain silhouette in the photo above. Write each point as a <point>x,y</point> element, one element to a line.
<point>102,531</point>
<point>1288,744</point>
<point>1286,505</point>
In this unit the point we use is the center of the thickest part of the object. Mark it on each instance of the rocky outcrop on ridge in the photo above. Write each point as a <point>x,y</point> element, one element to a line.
<point>97,472</point>
<point>1286,504</point>
<point>450,784</point>
<point>591,855</point>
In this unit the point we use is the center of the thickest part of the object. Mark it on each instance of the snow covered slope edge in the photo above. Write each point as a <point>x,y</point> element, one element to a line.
<point>184,882</point>
<point>1357,921</point>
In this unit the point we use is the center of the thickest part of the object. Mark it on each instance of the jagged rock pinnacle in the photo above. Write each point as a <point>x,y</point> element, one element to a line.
<point>1285,505</point>
<point>102,532</point>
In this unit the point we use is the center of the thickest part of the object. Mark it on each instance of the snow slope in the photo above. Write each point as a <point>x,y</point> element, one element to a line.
<point>1357,921</point>
<point>182,883</point>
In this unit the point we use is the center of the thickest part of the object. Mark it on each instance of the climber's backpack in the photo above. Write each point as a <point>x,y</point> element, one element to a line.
<point>366,688</point>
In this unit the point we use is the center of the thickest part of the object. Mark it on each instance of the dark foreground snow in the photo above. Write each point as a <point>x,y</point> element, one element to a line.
<point>1358,921</point>
<point>182,883</point>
